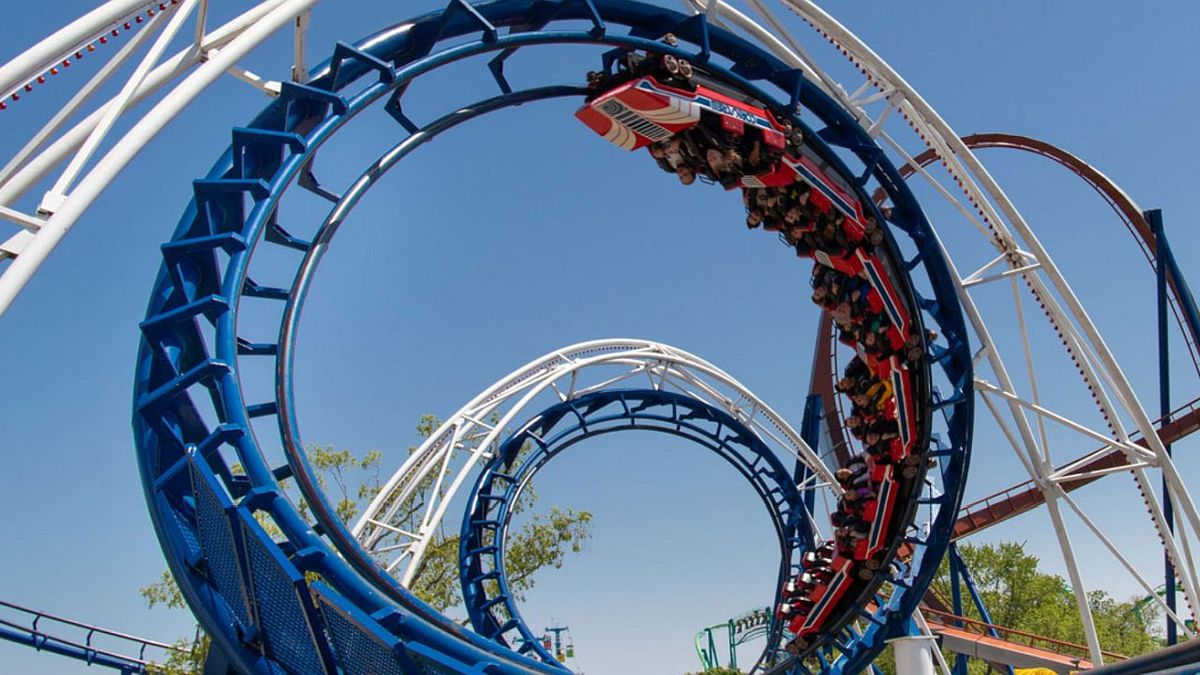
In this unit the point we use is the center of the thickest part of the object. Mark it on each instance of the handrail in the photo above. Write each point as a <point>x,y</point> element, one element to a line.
<point>32,634</point>
<point>91,628</point>
<point>981,627</point>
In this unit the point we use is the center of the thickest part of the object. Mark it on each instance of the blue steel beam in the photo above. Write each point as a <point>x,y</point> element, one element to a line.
<point>960,660</point>
<point>562,426</point>
<point>1163,269</point>
<point>1183,292</point>
<point>957,564</point>
<point>810,431</point>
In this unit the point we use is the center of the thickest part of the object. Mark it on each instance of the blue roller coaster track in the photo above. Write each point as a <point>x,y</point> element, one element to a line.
<point>556,429</point>
<point>311,600</point>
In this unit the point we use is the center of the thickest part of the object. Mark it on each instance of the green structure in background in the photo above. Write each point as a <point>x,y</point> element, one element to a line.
<point>739,630</point>
<point>1160,592</point>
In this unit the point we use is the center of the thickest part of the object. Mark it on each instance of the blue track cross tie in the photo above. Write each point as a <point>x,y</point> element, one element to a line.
<point>340,74</point>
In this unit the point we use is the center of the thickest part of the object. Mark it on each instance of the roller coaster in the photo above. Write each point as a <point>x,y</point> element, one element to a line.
<point>865,498</point>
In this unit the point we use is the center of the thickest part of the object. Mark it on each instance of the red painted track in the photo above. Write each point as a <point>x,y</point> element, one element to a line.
<point>823,377</point>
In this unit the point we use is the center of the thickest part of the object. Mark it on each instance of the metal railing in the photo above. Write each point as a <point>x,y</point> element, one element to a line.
<point>26,627</point>
<point>1014,636</point>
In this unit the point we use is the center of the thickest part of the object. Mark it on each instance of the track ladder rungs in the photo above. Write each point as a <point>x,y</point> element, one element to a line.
<point>209,306</point>
<point>303,94</point>
<point>209,369</point>
<point>262,409</point>
<point>230,242</point>
<point>259,152</point>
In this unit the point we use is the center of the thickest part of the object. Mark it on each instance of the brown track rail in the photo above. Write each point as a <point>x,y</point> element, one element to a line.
<point>1020,498</point>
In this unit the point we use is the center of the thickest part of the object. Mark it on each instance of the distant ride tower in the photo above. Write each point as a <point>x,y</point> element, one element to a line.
<point>560,652</point>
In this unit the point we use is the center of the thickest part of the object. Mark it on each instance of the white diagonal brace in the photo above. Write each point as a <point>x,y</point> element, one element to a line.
<point>16,275</point>
<point>1129,448</point>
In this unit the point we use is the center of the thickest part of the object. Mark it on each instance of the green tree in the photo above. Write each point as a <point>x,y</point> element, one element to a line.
<point>191,652</point>
<point>542,542</point>
<point>351,481</point>
<point>1019,596</point>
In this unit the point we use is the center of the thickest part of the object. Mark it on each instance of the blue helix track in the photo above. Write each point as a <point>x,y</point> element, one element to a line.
<point>310,600</point>
<point>550,432</point>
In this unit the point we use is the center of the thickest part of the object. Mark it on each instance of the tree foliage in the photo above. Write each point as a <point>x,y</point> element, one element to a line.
<point>1019,596</point>
<point>542,542</point>
<point>350,481</point>
<point>192,651</point>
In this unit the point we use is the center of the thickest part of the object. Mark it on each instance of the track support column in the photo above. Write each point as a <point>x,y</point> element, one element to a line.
<point>914,654</point>
<point>1161,256</point>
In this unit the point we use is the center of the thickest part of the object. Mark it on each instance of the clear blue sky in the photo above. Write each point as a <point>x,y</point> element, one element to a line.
<point>524,232</point>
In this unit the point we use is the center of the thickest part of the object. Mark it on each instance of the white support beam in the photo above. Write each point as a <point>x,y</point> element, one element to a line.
<point>15,245</point>
<point>1052,493</point>
<point>73,106</point>
<point>1116,552</point>
<point>933,182</point>
<point>268,87</point>
<point>90,186</point>
<point>894,100</point>
<point>40,57</point>
<point>1139,452</point>
<point>40,165</point>
<point>1006,274</point>
<point>1059,477</point>
<point>63,185</point>
<point>300,47</point>
<point>31,223</point>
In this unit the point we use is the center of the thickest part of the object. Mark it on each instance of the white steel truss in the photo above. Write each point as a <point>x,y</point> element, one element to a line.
<point>439,467</point>
<point>212,53</point>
